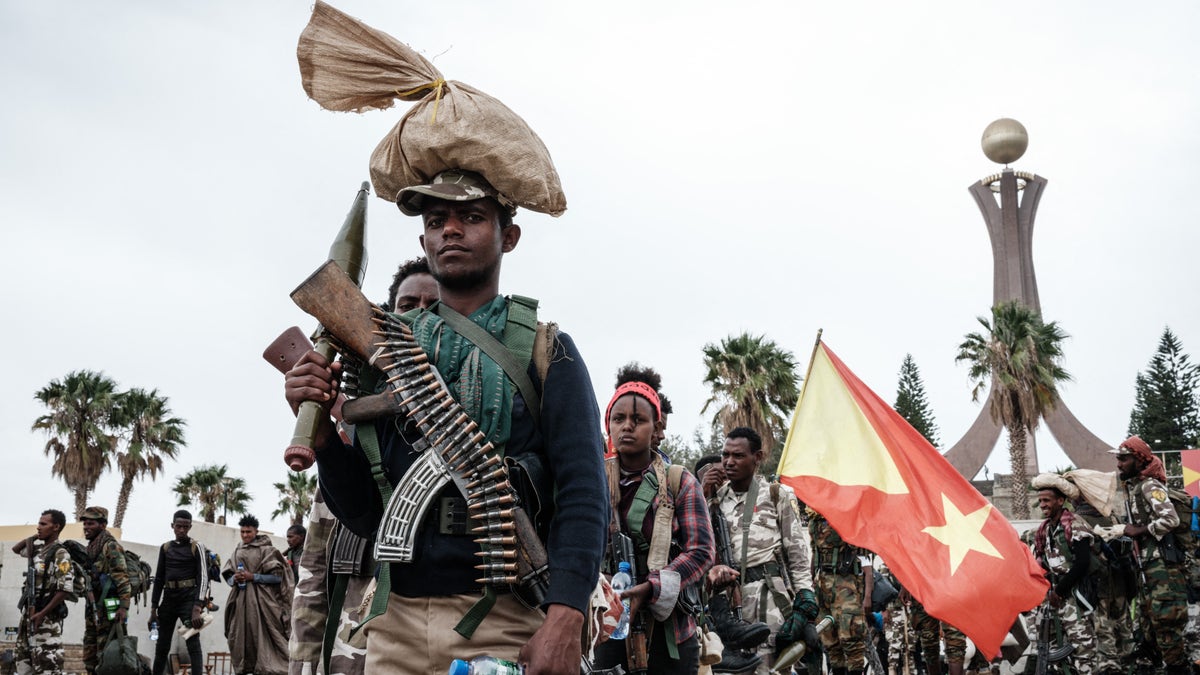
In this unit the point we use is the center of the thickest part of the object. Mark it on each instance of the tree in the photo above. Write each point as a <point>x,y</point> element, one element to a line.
<point>80,426</point>
<point>296,496</point>
<point>1166,410</point>
<point>1019,356</point>
<point>911,403</point>
<point>210,487</point>
<point>150,434</point>
<point>754,384</point>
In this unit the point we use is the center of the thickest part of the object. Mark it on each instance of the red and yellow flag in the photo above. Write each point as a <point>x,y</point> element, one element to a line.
<point>883,487</point>
<point>1190,459</point>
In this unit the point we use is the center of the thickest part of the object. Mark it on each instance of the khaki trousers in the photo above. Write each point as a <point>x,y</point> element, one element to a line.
<point>416,635</point>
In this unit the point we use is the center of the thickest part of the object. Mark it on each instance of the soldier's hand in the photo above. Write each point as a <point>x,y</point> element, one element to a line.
<point>721,576</point>
<point>637,596</point>
<point>1055,599</point>
<point>714,478</point>
<point>35,620</point>
<point>122,614</point>
<point>152,619</point>
<point>313,378</point>
<point>555,647</point>
<point>197,617</point>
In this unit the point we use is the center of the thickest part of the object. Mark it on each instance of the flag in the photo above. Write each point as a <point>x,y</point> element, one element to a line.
<point>883,487</point>
<point>1190,459</point>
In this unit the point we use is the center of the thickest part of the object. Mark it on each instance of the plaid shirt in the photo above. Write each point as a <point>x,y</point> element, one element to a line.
<point>690,528</point>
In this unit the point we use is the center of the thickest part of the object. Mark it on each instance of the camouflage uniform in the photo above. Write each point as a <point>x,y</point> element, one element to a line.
<point>931,633</point>
<point>775,545</point>
<point>1056,556</point>
<point>1115,583</point>
<point>106,562</point>
<point>840,588</point>
<point>42,650</point>
<point>310,605</point>
<point>1165,583</point>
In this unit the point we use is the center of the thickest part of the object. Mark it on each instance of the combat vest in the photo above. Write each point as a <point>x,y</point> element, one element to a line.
<point>831,553</point>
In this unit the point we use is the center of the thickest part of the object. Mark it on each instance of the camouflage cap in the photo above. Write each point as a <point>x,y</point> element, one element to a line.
<point>454,185</point>
<point>95,513</point>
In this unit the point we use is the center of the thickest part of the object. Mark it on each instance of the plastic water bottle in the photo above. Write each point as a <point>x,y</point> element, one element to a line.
<point>154,631</point>
<point>241,568</point>
<point>485,665</point>
<point>621,582</point>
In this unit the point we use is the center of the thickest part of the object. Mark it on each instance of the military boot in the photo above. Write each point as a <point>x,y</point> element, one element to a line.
<point>737,661</point>
<point>735,632</point>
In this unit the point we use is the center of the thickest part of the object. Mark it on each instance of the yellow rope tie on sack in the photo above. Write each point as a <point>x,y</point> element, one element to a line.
<point>437,99</point>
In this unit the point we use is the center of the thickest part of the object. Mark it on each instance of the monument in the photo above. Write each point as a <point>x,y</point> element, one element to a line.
<point>1008,201</point>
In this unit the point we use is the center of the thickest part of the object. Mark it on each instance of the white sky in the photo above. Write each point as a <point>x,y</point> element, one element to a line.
<point>772,167</point>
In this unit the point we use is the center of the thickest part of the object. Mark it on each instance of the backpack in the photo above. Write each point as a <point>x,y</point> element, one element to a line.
<point>212,562</point>
<point>139,576</point>
<point>1182,502</point>
<point>82,586</point>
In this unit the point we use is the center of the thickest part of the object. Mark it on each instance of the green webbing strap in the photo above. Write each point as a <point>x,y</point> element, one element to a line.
<point>337,600</point>
<point>369,440</point>
<point>466,626</point>
<point>501,353</point>
<point>747,514</point>
<point>638,509</point>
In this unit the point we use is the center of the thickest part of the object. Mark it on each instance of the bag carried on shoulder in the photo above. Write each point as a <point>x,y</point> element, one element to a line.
<point>120,654</point>
<point>882,592</point>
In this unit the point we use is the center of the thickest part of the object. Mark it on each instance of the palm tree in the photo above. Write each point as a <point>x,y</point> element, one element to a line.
<point>754,384</point>
<point>296,496</point>
<point>80,425</point>
<point>210,487</point>
<point>151,434</point>
<point>1019,357</point>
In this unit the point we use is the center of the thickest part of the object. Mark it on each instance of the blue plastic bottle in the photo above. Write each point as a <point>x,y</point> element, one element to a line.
<point>485,665</point>
<point>241,568</point>
<point>154,631</point>
<point>622,581</point>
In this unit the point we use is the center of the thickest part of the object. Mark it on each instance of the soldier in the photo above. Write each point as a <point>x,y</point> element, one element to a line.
<point>468,227</point>
<point>843,582</point>
<point>1063,546</point>
<point>110,582</point>
<point>295,541</point>
<point>180,591</point>
<point>1115,575</point>
<point>775,571</point>
<point>48,584</point>
<point>1150,518</point>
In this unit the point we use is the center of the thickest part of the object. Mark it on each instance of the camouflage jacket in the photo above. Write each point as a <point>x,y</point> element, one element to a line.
<point>49,577</point>
<point>775,532</point>
<point>106,562</point>
<point>1149,504</point>
<point>1054,552</point>
<point>831,553</point>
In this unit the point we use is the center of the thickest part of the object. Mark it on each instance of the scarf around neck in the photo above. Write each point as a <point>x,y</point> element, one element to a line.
<point>476,381</point>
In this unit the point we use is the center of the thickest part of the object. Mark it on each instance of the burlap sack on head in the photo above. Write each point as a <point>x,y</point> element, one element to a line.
<point>1099,488</point>
<point>347,66</point>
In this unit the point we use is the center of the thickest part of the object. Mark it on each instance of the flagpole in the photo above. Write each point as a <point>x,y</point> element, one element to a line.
<point>803,388</point>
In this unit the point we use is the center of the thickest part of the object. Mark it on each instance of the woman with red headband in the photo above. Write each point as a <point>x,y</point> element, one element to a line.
<point>662,510</point>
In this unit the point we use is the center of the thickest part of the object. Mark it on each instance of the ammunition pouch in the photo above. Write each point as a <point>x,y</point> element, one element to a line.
<point>530,480</point>
<point>1169,549</point>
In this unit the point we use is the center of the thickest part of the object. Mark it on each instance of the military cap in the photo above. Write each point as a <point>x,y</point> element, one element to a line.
<point>95,513</point>
<point>1048,481</point>
<point>452,185</point>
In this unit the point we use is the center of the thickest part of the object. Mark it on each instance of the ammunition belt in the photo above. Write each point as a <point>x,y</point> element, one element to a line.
<point>452,445</point>
<point>181,583</point>
<point>760,572</point>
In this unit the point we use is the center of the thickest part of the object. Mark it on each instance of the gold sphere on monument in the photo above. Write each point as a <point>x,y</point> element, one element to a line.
<point>1004,141</point>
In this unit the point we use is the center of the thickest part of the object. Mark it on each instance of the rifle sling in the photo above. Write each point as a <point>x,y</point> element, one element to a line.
<point>500,353</point>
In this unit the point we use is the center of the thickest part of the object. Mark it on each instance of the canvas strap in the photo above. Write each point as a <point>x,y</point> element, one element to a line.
<point>369,440</point>
<point>748,514</point>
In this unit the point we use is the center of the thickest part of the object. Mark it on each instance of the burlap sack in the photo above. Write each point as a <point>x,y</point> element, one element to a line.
<point>1099,488</point>
<point>348,66</point>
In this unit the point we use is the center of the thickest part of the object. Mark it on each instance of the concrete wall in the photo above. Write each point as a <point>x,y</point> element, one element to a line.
<point>212,639</point>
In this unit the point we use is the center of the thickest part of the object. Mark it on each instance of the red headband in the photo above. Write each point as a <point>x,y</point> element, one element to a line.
<point>641,389</point>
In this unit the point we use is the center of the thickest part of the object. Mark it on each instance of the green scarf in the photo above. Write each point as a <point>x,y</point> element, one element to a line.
<point>476,381</point>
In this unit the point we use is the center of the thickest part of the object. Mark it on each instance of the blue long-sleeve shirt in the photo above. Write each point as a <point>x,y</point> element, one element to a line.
<point>568,440</point>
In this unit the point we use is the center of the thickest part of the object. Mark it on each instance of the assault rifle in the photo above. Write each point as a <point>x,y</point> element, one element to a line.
<point>29,598</point>
<point>873,651</point>
<point>720,528</point>
<point>1047,655</point>
<point>620,548</point>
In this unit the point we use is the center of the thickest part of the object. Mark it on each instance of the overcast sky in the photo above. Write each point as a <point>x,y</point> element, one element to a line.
<point>772,167</point>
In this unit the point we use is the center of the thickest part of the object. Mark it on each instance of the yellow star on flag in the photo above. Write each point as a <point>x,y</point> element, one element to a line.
<point>962,533</point>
